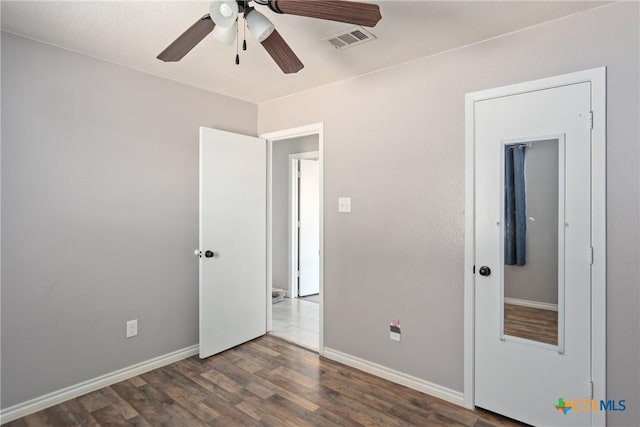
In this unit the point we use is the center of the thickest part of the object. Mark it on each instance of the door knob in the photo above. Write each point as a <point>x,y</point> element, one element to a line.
<point>209,254</point>
<point>484,271</point>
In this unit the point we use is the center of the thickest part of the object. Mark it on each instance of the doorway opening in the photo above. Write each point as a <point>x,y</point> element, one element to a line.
<point>294,264</point>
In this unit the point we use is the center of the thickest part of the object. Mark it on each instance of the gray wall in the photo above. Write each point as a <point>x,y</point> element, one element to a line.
<point>280,204</point>
<point>99,214</point>
<point>399,254</point>
<point>537,280</point>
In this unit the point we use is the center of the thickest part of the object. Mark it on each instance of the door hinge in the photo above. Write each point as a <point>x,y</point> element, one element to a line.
<point>591,255</point>
<point>590,389</point>
<point>590,119</point>
<point>298,174</point>
<point>298,224</point>
<point>298,273</point>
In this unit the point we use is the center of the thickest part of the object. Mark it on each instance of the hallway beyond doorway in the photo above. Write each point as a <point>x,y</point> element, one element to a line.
<point>297,321</point>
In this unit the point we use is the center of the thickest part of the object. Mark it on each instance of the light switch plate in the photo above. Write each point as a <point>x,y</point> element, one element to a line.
<point>132,328</point>
<point>344,204</point>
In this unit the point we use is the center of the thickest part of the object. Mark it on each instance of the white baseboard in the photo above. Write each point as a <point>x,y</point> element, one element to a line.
<point>397,377</point>
<point>39,403</point>
<point>531,304</point>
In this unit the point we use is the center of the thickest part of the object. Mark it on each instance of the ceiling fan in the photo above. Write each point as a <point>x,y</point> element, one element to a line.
<point>222,19</point>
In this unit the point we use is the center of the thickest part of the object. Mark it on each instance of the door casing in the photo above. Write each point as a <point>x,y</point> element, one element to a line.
<point>271,137</point>
<point>597,79</point>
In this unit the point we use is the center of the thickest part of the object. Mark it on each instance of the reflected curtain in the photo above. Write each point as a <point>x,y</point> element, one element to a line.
<point>515,212</point>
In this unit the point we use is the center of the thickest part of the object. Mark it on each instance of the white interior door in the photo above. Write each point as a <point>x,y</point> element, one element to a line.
<point>309,234</point>
<point>232,240</point>
<point>524,376</point>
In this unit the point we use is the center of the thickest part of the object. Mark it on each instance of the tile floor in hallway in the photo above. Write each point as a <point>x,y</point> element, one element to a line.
<point>297,321</point>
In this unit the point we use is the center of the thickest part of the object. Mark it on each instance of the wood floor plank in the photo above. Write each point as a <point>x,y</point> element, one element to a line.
<point>109,416</point>
<point>259,390</point>
<point>39,419</point>
<point>337,419</point>
<point>58,415</point>
<point>137,381</point>
<point>93,401</point>
<point>266,382</point>
<point>192,369</point>
<point>82,416</point>
<point>361,395</point>
<point>137,421</point>
<point>145,400</point>
<point>222,380</point>
<point>296,376</point>
<point>20,422</point>
<point>332,401</point>
<point>229,412</point>
<point>289,412</point>
<point>118,404</point>
<point>203,412</point>
<point>249,365</point>
<point>252,406</point>
<point>183,416</point>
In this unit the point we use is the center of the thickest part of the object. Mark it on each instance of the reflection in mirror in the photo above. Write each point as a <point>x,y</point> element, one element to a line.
<point>532,218</point>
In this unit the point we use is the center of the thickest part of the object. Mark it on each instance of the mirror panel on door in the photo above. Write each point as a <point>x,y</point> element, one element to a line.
<point>533,227</point>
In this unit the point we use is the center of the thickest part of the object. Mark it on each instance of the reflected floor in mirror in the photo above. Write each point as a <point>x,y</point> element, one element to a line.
<point>531,323</point>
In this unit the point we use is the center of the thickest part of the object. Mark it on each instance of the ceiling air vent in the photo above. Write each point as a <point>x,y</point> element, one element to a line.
<point>351,37</point>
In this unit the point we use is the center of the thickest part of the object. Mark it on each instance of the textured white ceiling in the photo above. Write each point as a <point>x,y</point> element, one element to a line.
<point>132,33</point>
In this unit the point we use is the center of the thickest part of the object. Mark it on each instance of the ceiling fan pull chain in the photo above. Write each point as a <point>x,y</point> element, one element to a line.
<point>244,30</point>
<point>237,54</point>
<point>244,36</point>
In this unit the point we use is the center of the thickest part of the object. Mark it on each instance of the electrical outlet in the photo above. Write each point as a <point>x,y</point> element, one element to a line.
<point>132,328</point>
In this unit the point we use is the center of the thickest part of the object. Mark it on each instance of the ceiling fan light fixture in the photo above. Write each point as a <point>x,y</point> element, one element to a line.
<point>259,25</point>
<point>224,13</point>
<point>226,34</point>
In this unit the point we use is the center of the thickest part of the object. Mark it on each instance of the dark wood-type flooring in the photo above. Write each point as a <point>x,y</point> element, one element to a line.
<point>265,382</point>
<point>531,323</point>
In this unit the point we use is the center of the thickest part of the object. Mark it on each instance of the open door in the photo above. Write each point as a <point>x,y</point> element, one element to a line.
<point>309,232</point>
<point>232,240</point>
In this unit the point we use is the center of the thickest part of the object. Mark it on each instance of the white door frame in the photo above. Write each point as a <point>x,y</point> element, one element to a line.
<point>597,78</point>
<point>293,213</point>
<point>271,137</point>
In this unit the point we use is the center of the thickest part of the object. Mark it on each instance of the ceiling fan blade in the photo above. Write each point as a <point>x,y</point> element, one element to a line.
<point>366,14</point>
<point>282,53</point>
<point>188,40</point>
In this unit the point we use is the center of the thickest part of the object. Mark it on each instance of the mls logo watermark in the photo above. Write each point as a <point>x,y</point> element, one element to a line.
<point>582,405</point>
